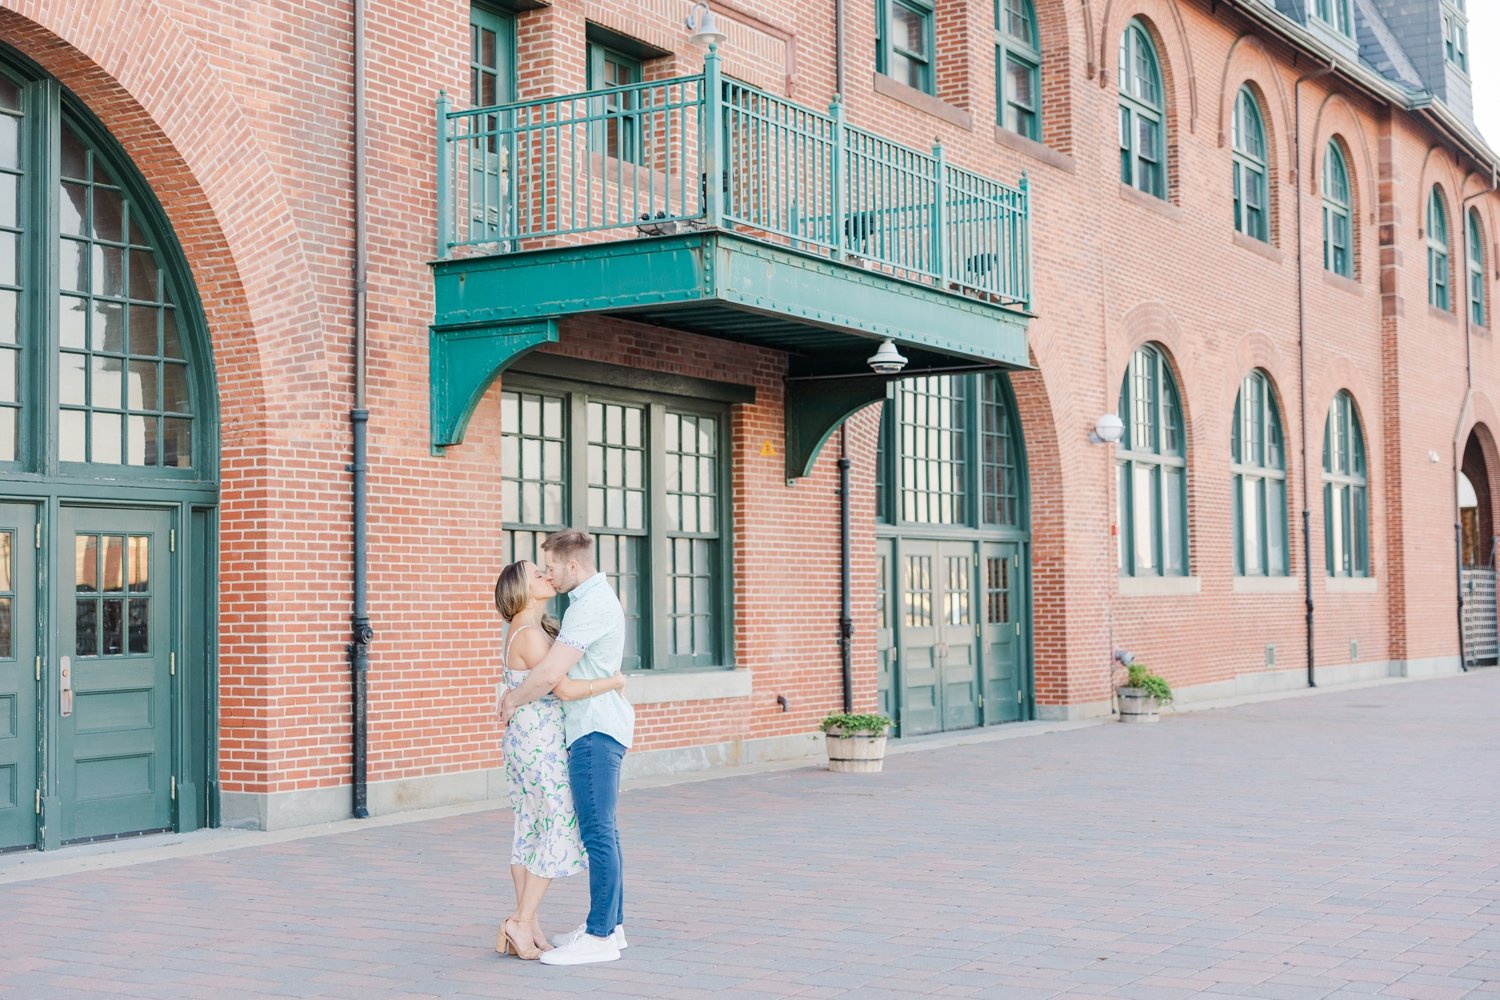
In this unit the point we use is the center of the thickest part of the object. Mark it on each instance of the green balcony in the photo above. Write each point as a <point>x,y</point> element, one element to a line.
<point>779,226</point>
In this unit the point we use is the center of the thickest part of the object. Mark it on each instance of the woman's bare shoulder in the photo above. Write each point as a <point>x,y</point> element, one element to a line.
<point>529,646</point>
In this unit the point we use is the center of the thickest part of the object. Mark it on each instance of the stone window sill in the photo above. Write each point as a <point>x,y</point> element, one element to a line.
<point>1159,586</point>
<point>1267,584</point>
<point>1339,281</point>
<point>1442,314</point>
<point>1350,584</point>
<point>1254,245</point>
<point>1036,150</point>
<point>649,687</point>
<point>923,101</point>
<point>1151,201</point>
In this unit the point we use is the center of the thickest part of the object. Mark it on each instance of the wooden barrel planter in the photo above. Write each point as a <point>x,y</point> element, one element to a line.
<point>1138,705</point>
<point>859,752</point>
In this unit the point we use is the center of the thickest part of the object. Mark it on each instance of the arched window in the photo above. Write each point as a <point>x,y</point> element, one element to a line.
<point>1018,61</point>
<point>1476,270</point>
<point>124,394</point>
<point>1152,470</point>
<point>1346,491</point>
<point>1438,279</point>
<point>1250,216</point>
<point>1338,249</point>
<point>1259,466</point>
<point>1143,152</point>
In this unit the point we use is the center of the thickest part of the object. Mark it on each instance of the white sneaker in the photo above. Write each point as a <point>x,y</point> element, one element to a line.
<point>583,950</point>
<point>616,937</point>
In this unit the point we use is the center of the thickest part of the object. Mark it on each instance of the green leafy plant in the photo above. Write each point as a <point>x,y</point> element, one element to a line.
<point>851,723</point>
<point>1153,684</point>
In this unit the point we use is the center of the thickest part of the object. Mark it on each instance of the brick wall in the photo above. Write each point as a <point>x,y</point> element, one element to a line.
<point>239,115</point>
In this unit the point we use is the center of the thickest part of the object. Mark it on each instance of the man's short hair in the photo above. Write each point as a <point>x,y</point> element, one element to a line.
<point>570,543</point>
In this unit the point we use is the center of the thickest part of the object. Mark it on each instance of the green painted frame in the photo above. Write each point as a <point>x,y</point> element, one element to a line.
<point>1137,106</point>
<point>464,362</point>
<point>190,495</point>
<point>1023,51</point>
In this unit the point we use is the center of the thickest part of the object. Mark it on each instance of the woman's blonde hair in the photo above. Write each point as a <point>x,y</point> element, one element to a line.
<point>513,594</point>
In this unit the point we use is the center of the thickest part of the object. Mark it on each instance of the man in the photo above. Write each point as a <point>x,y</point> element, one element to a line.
<point>598,730</point>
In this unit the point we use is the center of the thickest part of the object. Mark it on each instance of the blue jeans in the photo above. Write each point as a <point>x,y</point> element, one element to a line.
<point>594,769</point>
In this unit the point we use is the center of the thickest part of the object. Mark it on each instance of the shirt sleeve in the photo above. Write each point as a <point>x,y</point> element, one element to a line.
<point>582,626</point>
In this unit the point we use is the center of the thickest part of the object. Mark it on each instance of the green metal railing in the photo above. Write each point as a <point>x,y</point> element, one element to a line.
<point>703,152</point>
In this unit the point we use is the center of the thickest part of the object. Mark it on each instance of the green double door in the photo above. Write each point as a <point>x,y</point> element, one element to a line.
<point>952,638</point>
<point>87,670</point>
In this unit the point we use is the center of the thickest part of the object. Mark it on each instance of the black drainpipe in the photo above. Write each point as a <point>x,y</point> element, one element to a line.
<point>359,418</point>
<point>1302,366</point>
<point>846,615</point>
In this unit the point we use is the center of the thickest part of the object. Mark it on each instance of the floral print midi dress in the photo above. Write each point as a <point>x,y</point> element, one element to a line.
<point>547,840</point>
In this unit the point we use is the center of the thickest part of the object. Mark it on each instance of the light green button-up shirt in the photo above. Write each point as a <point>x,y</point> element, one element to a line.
<point>595,625</point>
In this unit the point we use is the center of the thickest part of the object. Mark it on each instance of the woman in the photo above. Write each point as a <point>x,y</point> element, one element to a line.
<point>547,843</point>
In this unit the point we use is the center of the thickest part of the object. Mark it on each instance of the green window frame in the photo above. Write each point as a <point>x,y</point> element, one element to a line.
<point>615,118</point>
<point>1346,491</point>
<point>1250,190</point>
<point>1439,275</point>
<point>958,437</point>
<point>1476,270</point>
<point>1338,213</point>
<point>1258,466</point>
<point>1018,69</point>
<point>1143,155</point>
<point>1337,14</point>
<point>648,476</point>
<point>905,36</point>
<point>1151,470</point>
<point>492,82</point>
<point>1456,36</point>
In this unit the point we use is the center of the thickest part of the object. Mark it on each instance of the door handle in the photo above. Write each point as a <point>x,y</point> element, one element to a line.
<point>65,687</point>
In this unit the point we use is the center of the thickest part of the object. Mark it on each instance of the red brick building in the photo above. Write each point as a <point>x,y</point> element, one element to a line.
<point>246,287</point>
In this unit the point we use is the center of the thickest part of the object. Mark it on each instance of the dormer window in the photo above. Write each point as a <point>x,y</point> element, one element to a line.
<point>1456,34</point>
<point>1337,14</point>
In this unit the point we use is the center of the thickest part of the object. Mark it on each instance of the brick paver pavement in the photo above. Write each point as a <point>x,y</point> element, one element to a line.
<point>1341,845</point>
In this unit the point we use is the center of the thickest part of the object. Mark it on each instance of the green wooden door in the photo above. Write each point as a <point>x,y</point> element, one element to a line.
<point>958,636</point>
<point>1004,632</point>
<point>921,681</point>
<point>113,698</point>
<point>492,82</point>
<point>938,659</point>
<point>18,680</point>
<point>885,635</point>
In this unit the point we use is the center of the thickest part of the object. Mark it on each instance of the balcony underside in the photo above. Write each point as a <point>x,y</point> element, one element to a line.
<point>827,316</point>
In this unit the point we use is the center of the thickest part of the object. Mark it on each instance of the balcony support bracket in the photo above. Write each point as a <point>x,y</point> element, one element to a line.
<point>815,409</point>
<point>464,361</point>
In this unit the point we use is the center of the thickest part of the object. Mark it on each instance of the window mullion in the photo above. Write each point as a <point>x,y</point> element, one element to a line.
<point>656,620</point>
<point>39,413</point>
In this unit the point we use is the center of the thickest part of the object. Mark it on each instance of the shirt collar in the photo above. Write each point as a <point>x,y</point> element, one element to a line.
<point>583,589</point>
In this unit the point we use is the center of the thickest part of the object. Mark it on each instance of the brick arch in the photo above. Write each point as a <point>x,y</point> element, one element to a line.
<point>1341,375</point>
<point>1249,63</point>
<point>1480,435</point>
<point>1048,524</point>
<point>176,122</point>
<point>1440,170</point>
<point>1336,119</point>
<point>1173,49</point>
<point>1273,130</point>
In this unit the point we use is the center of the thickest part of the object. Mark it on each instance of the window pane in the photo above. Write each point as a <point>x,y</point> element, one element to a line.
<point>1174,558</point>
<point>1144,507</point>
<point>1249,520</point>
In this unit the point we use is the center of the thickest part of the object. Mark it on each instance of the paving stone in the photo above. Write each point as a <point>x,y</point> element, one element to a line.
<point>1271,860</point>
